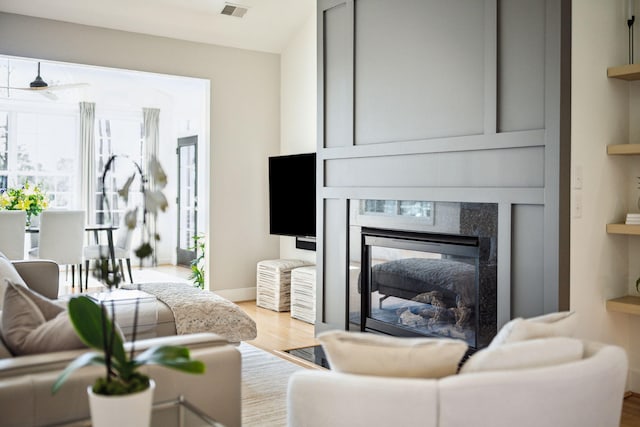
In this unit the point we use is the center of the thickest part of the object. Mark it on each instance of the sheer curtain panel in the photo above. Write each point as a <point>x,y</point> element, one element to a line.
<point>87,142</point>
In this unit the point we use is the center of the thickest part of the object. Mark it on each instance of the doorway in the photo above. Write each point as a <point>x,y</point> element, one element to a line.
<point>187,199</point>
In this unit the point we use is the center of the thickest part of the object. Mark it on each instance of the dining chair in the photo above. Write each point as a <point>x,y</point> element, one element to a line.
<point>122,251</point>
<point>12,224</point>
<point>62,239</point>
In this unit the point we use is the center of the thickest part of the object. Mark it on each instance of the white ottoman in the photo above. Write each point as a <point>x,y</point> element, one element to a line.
<point>273,283</point>
<point>124,307</point>
<point>303,294</point>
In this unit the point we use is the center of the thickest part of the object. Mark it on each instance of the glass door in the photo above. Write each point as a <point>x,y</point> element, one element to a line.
<point>187,198</point>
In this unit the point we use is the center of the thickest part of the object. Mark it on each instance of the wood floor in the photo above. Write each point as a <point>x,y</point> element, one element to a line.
<point>631,411</point>
<point>279,331</point>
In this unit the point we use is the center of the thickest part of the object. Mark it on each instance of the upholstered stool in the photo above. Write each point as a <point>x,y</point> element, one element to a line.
<point>273,282</point>
<point>303,293</point>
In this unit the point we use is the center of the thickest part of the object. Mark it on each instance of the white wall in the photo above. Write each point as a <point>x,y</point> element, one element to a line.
<point>298,108</point>
<point>244,125</point>
<point>600,116</point>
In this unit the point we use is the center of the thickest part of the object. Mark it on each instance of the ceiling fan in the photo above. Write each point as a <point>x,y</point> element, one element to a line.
<point>43,88</point>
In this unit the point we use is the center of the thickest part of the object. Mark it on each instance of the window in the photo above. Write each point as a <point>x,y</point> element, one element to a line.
<point>40,148</point>
<point>122,136</point>
<point>4,150</point>
<point>409,208</point>
<point>410,214</point>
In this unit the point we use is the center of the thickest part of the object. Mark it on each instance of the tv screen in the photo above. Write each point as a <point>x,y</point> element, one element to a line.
<point>292,195</point>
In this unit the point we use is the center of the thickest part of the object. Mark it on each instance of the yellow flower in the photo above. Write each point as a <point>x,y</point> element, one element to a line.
<point>24,204</point>
<point>5,200</point>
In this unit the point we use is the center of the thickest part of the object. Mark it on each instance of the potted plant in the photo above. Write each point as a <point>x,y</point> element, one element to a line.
<point>123,396</point>
<point>197,264</point>
<point>153,201</point>
<point>122,380</point>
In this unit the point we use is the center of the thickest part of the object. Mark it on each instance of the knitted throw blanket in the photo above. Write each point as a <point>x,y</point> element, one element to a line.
<point>195,310</point>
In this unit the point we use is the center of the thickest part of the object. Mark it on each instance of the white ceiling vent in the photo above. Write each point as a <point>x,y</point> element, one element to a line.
<point>233,10</point>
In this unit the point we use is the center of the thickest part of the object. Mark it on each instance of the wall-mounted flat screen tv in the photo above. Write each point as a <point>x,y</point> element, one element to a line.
<point>292,195</point>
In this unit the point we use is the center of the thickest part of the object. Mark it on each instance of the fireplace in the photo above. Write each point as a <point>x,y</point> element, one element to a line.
<point>436,278</point>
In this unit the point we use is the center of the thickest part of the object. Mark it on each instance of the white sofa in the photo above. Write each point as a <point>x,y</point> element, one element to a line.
<point>585,393</point>
<point>26,381</point>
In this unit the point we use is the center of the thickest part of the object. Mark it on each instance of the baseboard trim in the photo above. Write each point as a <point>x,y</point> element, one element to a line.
<point>237,295</point>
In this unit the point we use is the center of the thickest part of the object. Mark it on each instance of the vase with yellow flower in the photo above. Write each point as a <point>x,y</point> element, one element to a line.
<point>29,198</point>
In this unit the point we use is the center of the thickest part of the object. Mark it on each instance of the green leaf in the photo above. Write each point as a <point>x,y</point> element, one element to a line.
<point>86,317</point>
<point>638,284</point>
<point>86,359</point>
<point>184,365</point>
<point>174,357</point>
<point>161,352</point>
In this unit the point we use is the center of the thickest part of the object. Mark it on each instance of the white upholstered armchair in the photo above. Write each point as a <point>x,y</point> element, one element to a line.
<point>540,382</point>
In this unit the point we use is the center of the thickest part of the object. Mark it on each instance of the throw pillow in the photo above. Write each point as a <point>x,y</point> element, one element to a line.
<point>561,324</point>
<point>524,355</point>
<point>33,324</point>
<point>379,355</point>
<point>8,271</point>
<point>4,351</point>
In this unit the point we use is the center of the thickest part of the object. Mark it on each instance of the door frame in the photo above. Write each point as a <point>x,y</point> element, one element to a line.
<point>184,257</point>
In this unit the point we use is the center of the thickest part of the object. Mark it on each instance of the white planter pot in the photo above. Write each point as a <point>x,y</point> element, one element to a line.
<point>131,410</point>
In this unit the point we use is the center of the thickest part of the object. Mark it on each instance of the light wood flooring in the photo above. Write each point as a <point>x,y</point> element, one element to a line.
<point>631,411</point>
<point>279,331</point>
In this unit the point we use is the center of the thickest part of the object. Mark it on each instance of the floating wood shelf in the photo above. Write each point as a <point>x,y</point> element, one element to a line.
<point>622,149</point>
<point>625,72</point>
<point>629,229</point>
<point>627,304</point>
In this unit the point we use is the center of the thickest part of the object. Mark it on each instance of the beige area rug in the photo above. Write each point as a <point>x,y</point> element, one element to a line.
<point>264,387</point>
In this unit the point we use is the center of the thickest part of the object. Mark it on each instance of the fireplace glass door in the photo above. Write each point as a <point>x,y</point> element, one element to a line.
<point>420,287</point>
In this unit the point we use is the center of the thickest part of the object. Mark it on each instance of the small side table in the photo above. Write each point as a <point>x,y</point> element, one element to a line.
<point>273,283</point>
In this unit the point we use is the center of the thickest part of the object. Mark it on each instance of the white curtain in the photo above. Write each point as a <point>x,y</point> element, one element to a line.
<point>87,138</point>
<point>151,120</point>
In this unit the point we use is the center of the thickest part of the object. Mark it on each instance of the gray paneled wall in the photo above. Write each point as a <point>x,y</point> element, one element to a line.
<point>419,70</point>
<point>335,244</point>
<point>447,100</point>
<point>521,53</point>
<point>527,296</point>
<point>514,167</point>
<point>338,84</point>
